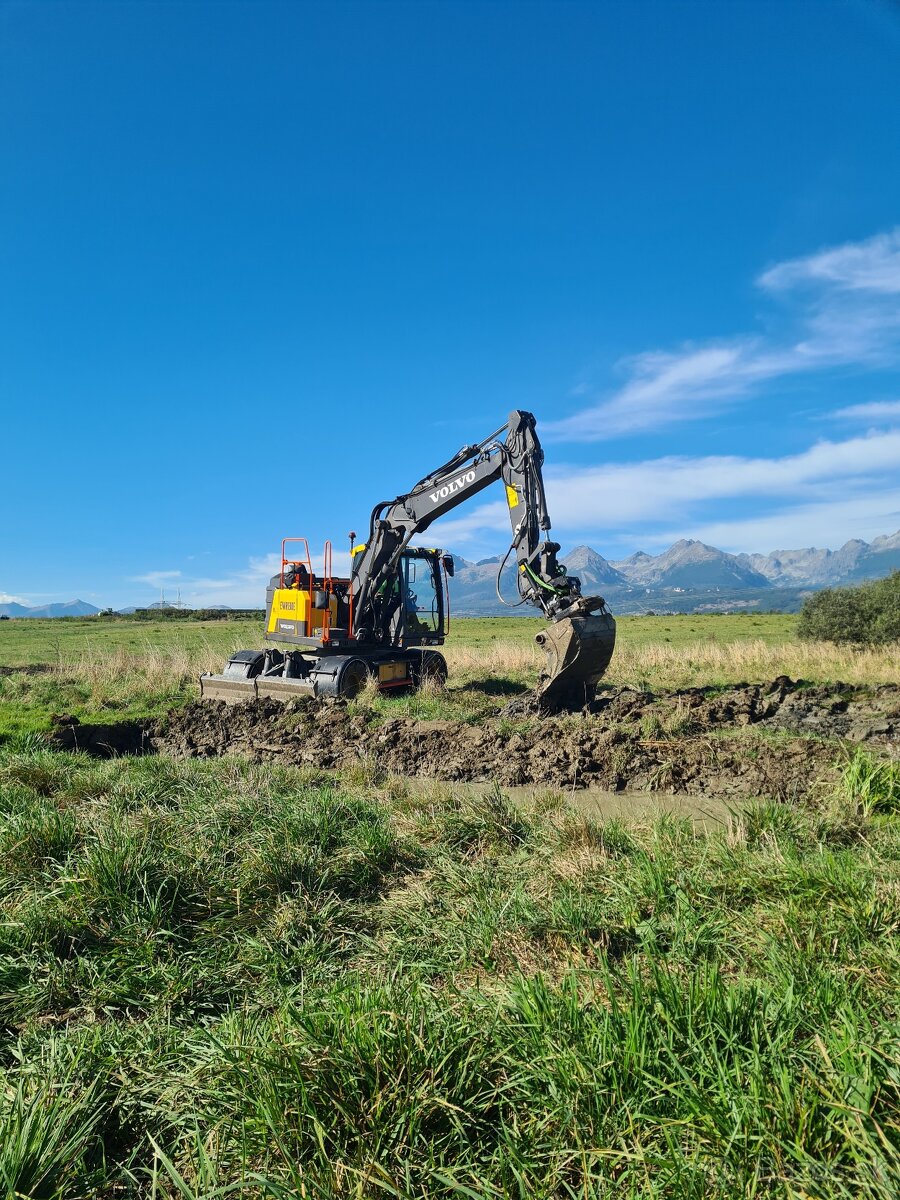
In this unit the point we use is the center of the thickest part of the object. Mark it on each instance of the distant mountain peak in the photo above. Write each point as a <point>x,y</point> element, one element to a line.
<point>583,555</point>
<point>815,567</point>
<point>592,568</point>
<point>66,608</point>
<point>690,564</point>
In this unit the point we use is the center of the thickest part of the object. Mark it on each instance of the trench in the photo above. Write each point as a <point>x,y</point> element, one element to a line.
<point>782,740</point>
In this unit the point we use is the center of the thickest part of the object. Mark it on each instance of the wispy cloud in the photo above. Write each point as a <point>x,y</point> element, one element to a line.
<point>827,524</point>
<point>244,587</point>
<point>829,488</point>
<point>156,579</point>
<point>6,598</point>
<point>841,302</point>
<point>877,410</point>
<point>872,265</point>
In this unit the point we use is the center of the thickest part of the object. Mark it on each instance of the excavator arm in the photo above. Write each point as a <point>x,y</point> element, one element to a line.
<point>579,643</point>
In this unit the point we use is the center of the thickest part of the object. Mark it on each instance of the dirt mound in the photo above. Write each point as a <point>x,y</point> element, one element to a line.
<point>833,710</point>
<point>632,739</point>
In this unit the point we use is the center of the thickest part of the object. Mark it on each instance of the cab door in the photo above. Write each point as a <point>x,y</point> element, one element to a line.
<point>422,597</point>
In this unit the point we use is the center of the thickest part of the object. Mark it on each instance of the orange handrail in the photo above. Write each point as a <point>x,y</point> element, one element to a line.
<point>327,588</point>
<point>327,580</point>
<point>299,562</point>
<point>295,562</point>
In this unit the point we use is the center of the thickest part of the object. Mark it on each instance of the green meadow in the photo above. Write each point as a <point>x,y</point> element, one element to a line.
<point>222,978</point>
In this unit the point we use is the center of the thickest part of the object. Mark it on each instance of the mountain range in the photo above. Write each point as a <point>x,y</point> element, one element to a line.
<point>691,576</point>
<point>854,561</point>
<point>68,608</point>
<point>693,564</point>
<point>688,577</point>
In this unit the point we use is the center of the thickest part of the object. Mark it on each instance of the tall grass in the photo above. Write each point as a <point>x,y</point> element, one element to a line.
<point>48,1125</point>
<point>658,664</point>
<point>224,978</point>
<point>873,783</point>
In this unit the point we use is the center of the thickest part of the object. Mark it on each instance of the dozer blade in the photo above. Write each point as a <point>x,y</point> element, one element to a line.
<point>578,651</point>
<point>232,691</point>
<point>238,691</point>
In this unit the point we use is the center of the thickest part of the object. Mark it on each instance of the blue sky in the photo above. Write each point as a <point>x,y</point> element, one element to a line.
<point>262,265</point>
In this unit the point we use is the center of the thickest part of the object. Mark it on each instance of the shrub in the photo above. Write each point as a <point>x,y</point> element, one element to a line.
<point>868,614</point>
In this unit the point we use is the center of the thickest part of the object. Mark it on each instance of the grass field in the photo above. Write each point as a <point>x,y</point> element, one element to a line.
<point>215,975</point>
<point>219,978</point>
<point>108,670</point>
<point>72,640</point>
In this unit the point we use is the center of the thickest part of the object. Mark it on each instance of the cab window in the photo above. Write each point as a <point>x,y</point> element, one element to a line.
<point>420,597</point>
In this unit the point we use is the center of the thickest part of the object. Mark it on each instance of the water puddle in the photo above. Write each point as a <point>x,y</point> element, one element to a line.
<point>595,802</point>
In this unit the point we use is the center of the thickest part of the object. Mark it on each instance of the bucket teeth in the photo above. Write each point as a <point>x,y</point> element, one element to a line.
<point>578,650</point>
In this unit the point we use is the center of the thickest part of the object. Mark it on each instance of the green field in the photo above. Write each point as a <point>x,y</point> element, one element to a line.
<point>69,640</point>
<point>104,669</point>
<point>227,979</point>
<point>217,975</point>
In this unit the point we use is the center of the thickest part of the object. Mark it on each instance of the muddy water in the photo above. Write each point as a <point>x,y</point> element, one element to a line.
<point>596,802</point>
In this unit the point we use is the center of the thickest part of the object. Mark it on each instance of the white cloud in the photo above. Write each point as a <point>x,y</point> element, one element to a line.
<point>851,484</point>
<point>451,531</point>
<point>244,587</point>
<point>845,316</point>
<point>826,524</point>
<point>156,579</point>
<point>877,410</point>
<point>6,598</point>
<point>872,265</point>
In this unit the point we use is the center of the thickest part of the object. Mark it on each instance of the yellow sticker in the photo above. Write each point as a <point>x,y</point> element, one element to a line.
<point>512,496</point>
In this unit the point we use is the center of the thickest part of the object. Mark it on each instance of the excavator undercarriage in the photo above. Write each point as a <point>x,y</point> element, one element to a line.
<point>329,636</point>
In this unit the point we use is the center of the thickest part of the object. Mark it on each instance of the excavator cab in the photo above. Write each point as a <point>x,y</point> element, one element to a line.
<point>418,600</point>
<point>411,607</point>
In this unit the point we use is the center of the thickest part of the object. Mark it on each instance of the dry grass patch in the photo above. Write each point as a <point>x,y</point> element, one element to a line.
<point>661,665</point>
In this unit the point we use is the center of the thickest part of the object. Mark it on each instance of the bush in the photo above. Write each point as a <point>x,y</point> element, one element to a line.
<point>866,615</point>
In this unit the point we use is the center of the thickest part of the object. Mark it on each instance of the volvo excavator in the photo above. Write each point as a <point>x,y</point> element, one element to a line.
<point>329,636</point>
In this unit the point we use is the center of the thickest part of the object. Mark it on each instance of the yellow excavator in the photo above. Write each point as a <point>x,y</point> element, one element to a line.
<point>328,636</point>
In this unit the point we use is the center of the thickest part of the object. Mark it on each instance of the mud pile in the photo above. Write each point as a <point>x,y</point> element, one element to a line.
<point>833,710</point>
<point>686,741</point>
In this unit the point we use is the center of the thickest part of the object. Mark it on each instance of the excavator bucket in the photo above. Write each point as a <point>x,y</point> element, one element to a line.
<point>578,652</point>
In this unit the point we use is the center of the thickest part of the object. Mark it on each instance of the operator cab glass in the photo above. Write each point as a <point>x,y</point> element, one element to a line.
<point>422,596</point>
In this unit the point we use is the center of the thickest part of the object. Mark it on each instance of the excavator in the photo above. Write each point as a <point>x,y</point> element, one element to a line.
<point>328,636</point>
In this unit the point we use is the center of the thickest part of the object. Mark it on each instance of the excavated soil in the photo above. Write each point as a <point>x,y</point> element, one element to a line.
<point>692,741</point>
